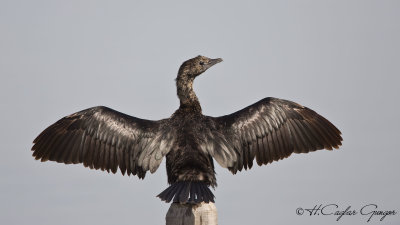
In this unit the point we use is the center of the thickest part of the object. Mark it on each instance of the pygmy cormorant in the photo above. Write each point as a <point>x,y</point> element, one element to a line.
<point>269,130</point>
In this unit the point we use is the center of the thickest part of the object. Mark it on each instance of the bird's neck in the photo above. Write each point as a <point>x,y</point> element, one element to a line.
<point>186,95</point>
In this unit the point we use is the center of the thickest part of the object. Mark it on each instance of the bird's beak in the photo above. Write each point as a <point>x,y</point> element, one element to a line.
<point>212,62</point>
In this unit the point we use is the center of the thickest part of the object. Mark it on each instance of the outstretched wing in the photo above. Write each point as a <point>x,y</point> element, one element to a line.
<point>270,130</point>
<point>102,138</point>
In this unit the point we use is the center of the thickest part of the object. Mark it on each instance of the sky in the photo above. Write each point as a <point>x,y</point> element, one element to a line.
<point>339,58</point>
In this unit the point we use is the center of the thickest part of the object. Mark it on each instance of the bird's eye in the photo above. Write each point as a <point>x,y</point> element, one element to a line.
<point>201,63</point>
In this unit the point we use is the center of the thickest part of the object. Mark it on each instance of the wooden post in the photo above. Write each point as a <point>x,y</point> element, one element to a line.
<point>189,214</point>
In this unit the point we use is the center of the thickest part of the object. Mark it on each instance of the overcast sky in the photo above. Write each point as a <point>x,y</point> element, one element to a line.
<point>340,58</point>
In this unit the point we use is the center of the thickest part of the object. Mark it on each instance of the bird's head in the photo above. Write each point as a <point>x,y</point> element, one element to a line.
<point>196,66</point>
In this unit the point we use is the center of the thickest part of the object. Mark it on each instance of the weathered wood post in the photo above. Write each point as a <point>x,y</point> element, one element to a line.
<point>192,214</point>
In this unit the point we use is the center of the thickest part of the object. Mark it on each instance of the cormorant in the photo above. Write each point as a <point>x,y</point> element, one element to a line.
<point>269,130</point>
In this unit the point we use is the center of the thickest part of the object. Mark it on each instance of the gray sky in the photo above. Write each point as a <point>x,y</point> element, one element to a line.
<point>340,58</point>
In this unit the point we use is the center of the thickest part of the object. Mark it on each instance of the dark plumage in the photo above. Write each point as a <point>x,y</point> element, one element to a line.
<point>269,130</point>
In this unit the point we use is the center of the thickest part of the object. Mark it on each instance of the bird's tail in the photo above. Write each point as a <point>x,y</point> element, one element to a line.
<point>192,192</point>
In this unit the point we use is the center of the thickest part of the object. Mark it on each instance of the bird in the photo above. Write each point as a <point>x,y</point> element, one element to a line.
<point>266,131</point>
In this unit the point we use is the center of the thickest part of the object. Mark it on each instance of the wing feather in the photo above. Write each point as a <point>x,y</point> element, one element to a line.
<point>270,130</point>
<point>102,138</point>
<point>62,152</point>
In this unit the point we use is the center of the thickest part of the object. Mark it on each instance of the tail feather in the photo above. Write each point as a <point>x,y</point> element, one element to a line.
<point>187,192</point>
<point>169,193</point>
<point>178,192</point>
<point>199,192</point>
<point>210,194</point>
<point>192,194</point>
<point>184,196</point>
<point>204,194</point>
